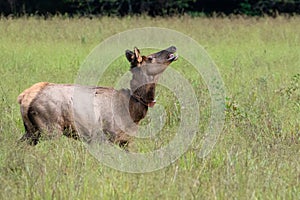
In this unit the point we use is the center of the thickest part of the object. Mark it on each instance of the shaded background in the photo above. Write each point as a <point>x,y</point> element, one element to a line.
<point>151,8</point>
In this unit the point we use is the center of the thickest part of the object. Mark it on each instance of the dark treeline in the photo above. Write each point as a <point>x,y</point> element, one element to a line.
<point>152,8</point>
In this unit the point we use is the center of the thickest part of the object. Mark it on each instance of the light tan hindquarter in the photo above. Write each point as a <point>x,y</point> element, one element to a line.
<point>26,98</point>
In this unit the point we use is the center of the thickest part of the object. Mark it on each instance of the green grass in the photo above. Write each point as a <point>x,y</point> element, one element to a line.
<point>256,156</point>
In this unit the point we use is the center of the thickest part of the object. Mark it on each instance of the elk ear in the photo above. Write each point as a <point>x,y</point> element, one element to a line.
<point>129,55</point>
<point>137,55</point>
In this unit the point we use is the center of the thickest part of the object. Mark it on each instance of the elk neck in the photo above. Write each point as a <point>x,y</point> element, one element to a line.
<point>139,101</point>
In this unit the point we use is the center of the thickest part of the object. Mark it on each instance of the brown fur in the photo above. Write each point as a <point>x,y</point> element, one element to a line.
<point>50,108</point>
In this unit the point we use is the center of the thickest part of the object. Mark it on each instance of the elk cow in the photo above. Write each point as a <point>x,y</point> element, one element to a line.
<point>48,108</point>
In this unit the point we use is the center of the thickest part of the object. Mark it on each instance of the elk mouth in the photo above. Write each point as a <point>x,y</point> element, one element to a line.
<point>172,57</point>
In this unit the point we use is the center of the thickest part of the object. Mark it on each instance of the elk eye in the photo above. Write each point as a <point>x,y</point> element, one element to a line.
<point>150,58</point>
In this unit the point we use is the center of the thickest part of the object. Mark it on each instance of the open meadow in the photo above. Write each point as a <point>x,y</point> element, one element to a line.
<point>257,155</point>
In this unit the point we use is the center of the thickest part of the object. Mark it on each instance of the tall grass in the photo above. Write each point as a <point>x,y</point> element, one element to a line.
<point>256,156</point>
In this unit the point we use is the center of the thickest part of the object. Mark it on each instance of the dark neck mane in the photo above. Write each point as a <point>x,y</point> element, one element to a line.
<point>139,99</point>
<point>137,109</point>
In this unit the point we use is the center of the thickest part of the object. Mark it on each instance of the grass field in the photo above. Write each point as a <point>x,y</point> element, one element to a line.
<point>256,156</point>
